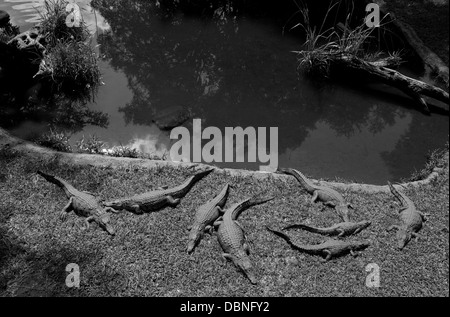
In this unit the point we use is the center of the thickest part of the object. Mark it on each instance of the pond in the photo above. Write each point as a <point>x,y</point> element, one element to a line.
<point>242,72</point>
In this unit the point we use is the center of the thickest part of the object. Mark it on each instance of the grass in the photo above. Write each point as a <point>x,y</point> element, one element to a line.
<point>324,45</point>
<point>60,141</point>
<point>54,27</point>
<point>70,57</point>
<point>147,256</point>
<point>435,159</point>
<point>75,69</point>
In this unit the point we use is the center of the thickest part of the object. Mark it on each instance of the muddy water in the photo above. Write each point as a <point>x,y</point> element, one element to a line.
<point>241,72</point>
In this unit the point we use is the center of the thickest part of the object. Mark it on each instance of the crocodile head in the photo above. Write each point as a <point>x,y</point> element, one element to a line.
<point>244,264</point>
<point>343,210</point>
<point>365,224</point>
<point>403,237</point>
<point>194,238</point>
<point>114,204</point>
<point>103,222</point>
<point>361,245</point>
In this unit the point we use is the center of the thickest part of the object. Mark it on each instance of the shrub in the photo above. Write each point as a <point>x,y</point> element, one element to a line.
<point>75,69</point>
<point>91,145</point>
<point>122,151</point>
<point>53,24</point>
<point>58,141</point>
<point>322,46</point>
<point>71,59</point>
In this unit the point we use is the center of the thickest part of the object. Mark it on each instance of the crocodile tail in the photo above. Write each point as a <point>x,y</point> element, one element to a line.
<point>249,202</point>
<point>202,174</point>
<point>397,194</point>
<point>223,196</point>
<point>58,182</point>
<point>194,179</point>
<point>280,234</point>
<point>302,179</point>
<point>51,179</point>
<point>303,227</point>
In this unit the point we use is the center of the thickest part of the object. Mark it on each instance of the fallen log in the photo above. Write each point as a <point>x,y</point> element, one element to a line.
<point>428,57</point>
<point>416,89</point>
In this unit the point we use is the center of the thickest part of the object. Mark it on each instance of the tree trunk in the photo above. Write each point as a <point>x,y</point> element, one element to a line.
<point>414,88</point>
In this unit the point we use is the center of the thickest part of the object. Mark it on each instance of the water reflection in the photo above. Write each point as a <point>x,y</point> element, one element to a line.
<point>29,13</point>
<point>233,67</point>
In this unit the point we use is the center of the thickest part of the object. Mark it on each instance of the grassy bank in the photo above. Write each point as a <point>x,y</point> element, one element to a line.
<point>147,256</point>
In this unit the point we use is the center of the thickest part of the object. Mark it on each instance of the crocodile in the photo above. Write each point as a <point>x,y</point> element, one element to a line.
<point>329,249</point>
<point>83,203</point>
<point>411,218</point>
<point>205,217</point>
<point>157,199</point>
<point>232,239</point>
<point>340,230</point>
<point>328,196</point>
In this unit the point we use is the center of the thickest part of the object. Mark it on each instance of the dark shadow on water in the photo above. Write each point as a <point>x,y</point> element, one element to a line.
<point>232,65</point>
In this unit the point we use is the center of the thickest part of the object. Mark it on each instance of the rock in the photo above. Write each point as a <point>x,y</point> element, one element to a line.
<point>29,40</point>
<point>172,117</point>
<point>4,18</point>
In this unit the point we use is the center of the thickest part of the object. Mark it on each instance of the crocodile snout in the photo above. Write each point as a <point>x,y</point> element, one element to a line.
<point>190,247</point>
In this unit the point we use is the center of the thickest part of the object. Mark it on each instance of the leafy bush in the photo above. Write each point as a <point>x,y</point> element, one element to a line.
<point>53,24</point>
<point>58,141</point>
<point>122,151</point>
<point>72,60</point>
<point>75,69</point>
<point>91,145</point>
<point>322,46</point>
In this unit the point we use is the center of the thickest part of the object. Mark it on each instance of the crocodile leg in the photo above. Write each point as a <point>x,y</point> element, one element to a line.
<point>173,202</point>
<point>328,255</point>
<point>415,235</point>
<point>424,216</point>
<point>68,208</point>
<point>87,221</point>
<point>341,233</point>
<point>137,209</point>
<point>246,248</point>
<point>315,196</point>
<point>217,223</point>
<point>209,229</point>
<point>353,253</point>
<point>110,209</point>
<point>227,257</point>
<point>393,227</point>
<point>330,204</point>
